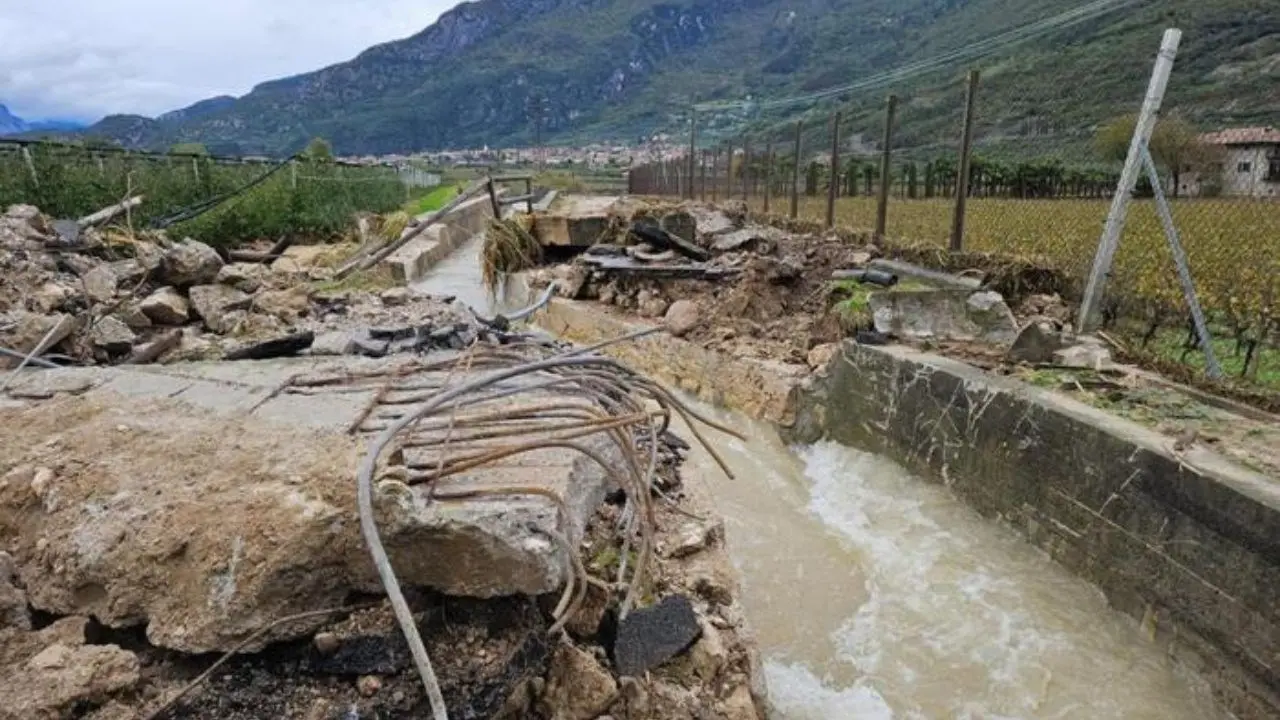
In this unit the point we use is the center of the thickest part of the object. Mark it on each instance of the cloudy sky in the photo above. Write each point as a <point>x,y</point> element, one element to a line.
<point>84,59</point>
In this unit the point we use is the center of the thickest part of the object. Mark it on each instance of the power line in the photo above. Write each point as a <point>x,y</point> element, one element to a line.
<point>1083,13</point>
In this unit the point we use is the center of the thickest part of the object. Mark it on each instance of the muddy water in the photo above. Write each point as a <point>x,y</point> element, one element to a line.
<point>876,595</point>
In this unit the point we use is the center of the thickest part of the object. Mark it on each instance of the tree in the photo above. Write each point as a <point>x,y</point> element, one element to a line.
<point>319,150</point>
<point>1174,146</point>
<point>189,149</point>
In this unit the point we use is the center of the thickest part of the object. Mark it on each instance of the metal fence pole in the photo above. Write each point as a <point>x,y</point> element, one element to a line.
<point>882,204</point>
<point>795,173</point>
<point>1088,315</point>
<point>962,179</point>
<point>834,184</point>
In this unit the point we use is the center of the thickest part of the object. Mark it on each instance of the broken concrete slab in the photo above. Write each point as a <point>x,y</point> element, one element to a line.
<point>943,315</point>
<point>574,220</point>
<point>206,500</point>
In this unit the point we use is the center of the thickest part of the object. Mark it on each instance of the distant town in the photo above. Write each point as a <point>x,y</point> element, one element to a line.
<point>593,157</point>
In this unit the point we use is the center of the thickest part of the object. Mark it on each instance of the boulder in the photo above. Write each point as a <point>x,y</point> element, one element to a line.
<point>993,317</point>
<point>943,314</point>
<point>213,303</point>
<point>285,304</point>
<point>1087,352</point>
<point>61,678</point>
<point>578,688</point>
<point>820,356</point>
<point>570,280</point>
<point>111,335</point>
<point>22,331</point>
<point>1036,343</point>
<point>396,296</point>
<point>52,296</point>
<point>337,342</point>
<point>188,263</point>
<point>245,277</point>
<point>14,613</point>
<point>166,307</point>
<point>100,283</point>
<point>131,314</point>
<point>682,317</point>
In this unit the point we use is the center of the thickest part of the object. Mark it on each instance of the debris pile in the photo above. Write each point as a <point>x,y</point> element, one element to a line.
<point>111,298</point>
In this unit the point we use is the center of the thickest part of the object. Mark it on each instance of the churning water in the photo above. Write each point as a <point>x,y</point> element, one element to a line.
<point>877,595</point>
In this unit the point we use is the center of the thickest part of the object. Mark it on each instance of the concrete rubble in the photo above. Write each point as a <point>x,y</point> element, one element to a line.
<point>155,514</point>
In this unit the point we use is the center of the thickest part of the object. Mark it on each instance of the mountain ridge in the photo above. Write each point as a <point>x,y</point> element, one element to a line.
<point>11,124</point>
<point>622,68</point>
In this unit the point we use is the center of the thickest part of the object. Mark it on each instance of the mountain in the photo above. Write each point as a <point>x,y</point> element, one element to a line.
<point>621,69</point>
<point>11,124</point>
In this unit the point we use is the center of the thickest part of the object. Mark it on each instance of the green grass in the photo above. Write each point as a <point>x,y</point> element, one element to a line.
<point>437,198</point>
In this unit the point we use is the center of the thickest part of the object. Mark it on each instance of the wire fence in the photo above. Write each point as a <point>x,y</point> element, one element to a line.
<point>305,197</point>
<point>1038,191</point>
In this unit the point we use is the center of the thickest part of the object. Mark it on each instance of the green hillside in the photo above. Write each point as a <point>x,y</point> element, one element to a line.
<point>620,69</point>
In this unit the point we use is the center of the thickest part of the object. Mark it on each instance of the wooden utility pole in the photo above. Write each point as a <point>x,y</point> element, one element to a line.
<point>693,148</point>
<point>834,185</point>
<point>768,173</point>
<point>966,148</point>
<point>882,205</point>
<point>795,173</point>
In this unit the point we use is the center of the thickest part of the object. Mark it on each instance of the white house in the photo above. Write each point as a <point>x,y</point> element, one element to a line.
<point>1248,164</point>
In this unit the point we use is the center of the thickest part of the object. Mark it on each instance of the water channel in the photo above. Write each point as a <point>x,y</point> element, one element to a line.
<point>877,595</point>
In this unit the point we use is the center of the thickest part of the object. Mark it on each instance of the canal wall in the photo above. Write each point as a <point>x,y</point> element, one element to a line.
<point>1184,541</point>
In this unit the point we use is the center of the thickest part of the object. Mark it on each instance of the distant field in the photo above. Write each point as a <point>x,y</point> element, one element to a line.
<point>433,200</point>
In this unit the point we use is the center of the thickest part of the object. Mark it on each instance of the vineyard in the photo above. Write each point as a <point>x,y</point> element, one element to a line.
<point>307,197</point>
<point>1233,247</point>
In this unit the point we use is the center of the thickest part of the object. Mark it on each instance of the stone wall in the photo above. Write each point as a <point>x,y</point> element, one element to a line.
<point>1188,543</point>
<point>411,262</point>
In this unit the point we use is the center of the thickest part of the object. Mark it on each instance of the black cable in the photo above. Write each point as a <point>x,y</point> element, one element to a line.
<point>197,209</point>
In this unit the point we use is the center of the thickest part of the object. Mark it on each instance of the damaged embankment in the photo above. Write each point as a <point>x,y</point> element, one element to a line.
<point>1175,534</point>
<point>153,519</point>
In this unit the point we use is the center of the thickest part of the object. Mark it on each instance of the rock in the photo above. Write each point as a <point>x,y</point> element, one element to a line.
<point>213,303</point>
<point>396,296</point>
<point>708,655</point>
<point>1036,343</point>
<point>188,263</point>
<point>1046,306</point>
<point>711,222</point>
<point>585,624</point>
<point>570,280</point>
<point>51,296</point>
<point>682,317</point>
<point>61,677</point>
<point>326,643</point>
<point>287,266</point>
<point>696,537</point>
<point>286,304</point>
<point>245,277</point>
<point>578,688</point>
<point>712,589</point>
<point>650,636</point>
<point>368,685</point>
<point>130,313</point>
<point>337,342</point>
<point>22,331</point>
<point>14,612</point>
<point>650,304</point>
<point>100,284</point>
<point>1088,352</point>
<point>988,310</point>
<point>820,356</point>
<point>740,705</point>
<point>112,335</point>
<point>681,224</point>
<point>166,307</point>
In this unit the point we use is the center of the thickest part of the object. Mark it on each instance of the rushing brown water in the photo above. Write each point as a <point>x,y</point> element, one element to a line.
<point>876,595</point>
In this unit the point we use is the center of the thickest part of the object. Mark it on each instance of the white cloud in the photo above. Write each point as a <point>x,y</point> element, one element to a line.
<point>88,58</point>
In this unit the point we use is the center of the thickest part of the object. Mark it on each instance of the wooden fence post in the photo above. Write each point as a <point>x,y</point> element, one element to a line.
<point>795,173</point>
<point>882,205</point>
<point>702,176</point>
<point>31,165</point>
<point>768,173</point>
<point>746,170</point>
<point>962,178</point>
<point>693,145</point>
<point>833,186</point>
